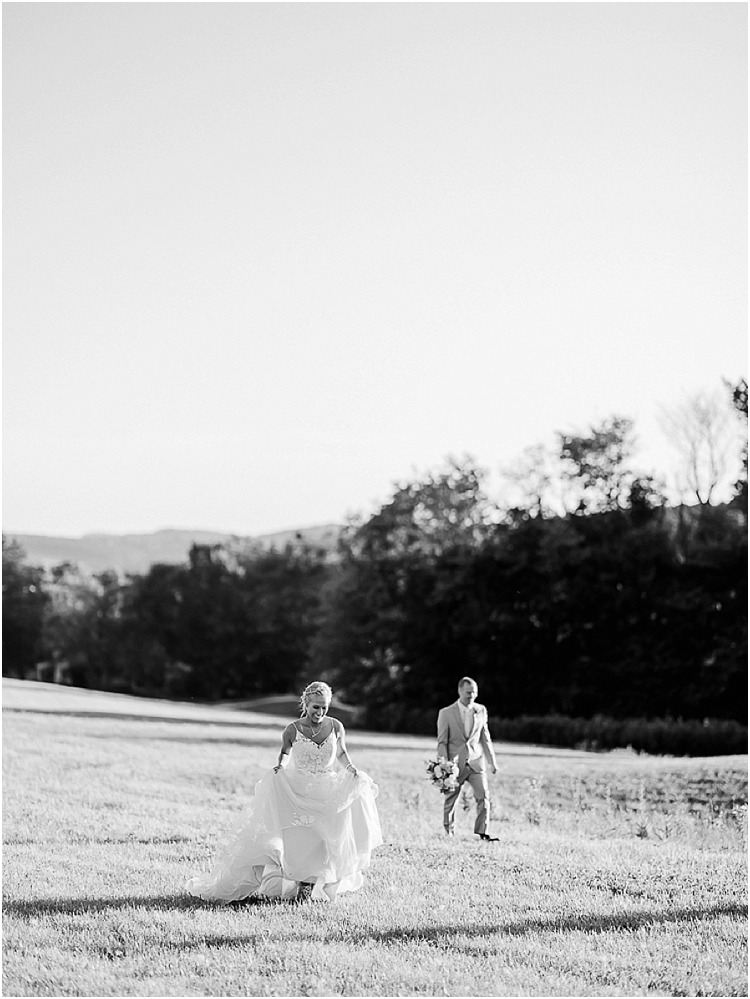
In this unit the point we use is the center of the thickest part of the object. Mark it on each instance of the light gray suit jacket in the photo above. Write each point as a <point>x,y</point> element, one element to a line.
<point>452,740</point>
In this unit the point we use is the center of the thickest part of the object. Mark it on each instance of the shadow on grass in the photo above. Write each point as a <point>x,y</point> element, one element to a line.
<point>441,934</point>
<point>79,906</point>
<point>575,924</point>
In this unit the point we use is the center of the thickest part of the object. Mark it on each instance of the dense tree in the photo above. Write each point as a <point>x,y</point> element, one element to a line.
<point>596,466</point>
<point>69,638</point>
<point>530,485</point>
<point>24,602</point>
<point>231,623</point>
<point>368,640</point>
<point>738,394</point>
<point>445,509</point>
<point>282,605</point>
<point>575,614</point>
<point>620,606</point>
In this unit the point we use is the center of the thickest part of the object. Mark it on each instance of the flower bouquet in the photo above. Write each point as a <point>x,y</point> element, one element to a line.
<point>443,774</point>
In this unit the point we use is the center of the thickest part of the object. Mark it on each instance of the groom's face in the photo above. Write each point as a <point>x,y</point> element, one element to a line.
<point>468,694</point>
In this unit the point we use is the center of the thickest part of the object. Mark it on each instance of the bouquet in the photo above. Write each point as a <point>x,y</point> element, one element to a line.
<point>443,774</point>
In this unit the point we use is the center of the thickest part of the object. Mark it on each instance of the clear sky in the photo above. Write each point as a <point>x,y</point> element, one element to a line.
<point>261,260</point>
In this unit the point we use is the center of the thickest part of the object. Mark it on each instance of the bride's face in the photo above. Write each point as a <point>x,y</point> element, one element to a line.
<point>316,708</point>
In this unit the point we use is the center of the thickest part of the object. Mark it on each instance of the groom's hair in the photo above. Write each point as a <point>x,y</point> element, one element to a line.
<point>466,679</point>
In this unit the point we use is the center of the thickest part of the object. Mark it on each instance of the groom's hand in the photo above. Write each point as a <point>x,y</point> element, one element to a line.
<point>494,768</point>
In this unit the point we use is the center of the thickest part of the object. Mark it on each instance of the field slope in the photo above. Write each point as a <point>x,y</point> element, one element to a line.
<point>615,875</point>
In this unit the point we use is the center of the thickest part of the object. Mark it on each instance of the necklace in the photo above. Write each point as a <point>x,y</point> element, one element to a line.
<point>315,731</point>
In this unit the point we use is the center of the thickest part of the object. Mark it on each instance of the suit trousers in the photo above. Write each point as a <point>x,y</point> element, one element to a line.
<point>480,787</point>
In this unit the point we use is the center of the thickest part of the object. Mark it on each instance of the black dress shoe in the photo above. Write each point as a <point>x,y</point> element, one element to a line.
<point>489,839</point>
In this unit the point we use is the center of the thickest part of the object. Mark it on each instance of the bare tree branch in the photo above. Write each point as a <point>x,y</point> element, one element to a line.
<point>701,431</point>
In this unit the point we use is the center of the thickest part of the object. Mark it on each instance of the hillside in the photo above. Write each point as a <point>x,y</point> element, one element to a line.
<point>136,552</point>
<point>615,874</point>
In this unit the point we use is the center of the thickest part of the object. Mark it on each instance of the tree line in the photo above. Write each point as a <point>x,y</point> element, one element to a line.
<point>587,595</point>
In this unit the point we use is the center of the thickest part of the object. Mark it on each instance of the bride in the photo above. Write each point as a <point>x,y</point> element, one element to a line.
<point>312,824</point>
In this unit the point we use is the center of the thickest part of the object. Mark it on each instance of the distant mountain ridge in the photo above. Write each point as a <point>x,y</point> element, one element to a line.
<point>137,552</point>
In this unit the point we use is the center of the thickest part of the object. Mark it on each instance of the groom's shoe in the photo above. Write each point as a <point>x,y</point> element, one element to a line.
<point>488,839</point>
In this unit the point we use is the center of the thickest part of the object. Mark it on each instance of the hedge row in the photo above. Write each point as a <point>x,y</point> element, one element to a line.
<point>666,736</point>
<point>660,736</point>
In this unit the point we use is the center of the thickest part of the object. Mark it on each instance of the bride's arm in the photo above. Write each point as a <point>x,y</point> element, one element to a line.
<point>287,739</point>
<point>342,753</point>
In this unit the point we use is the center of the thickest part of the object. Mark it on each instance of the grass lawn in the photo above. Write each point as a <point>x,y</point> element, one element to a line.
<point>615,874</point>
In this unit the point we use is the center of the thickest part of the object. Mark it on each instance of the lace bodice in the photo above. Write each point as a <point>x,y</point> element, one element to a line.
<point>309,757</point>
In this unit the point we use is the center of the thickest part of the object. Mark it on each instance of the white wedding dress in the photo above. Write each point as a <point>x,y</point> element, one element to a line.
<point>312,822</point>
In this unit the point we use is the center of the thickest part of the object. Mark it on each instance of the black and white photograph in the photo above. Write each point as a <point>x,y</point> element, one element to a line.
<point>375,448</point>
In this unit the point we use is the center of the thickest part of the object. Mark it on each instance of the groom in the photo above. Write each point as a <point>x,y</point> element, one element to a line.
<point>462,732</point>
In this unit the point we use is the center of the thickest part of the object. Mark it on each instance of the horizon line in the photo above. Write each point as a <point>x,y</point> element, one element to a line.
<point>164,530</point>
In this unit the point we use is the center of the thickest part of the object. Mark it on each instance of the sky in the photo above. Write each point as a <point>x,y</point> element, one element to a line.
<point>264,260</point>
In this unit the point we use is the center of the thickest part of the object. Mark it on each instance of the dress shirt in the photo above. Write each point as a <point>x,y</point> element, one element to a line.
<point>467,716</point>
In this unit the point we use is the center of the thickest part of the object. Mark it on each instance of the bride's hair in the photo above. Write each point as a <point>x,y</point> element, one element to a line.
<point>316,687</point>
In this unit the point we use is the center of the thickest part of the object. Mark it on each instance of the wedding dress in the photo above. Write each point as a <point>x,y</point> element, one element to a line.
<point>311,822</point>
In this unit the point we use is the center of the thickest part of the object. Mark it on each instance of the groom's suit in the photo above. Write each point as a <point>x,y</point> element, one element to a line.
<point>469,740</point>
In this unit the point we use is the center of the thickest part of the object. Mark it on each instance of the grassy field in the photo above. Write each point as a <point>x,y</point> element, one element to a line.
<point>615,875</point>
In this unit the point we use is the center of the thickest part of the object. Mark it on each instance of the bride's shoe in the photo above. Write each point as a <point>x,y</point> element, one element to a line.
<point>304,891</point>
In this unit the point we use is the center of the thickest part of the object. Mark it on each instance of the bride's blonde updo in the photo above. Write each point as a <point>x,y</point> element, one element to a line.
<point>316,687</point>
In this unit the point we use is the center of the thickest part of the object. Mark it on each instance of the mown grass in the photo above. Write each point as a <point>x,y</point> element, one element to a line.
<point>615,874</point>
